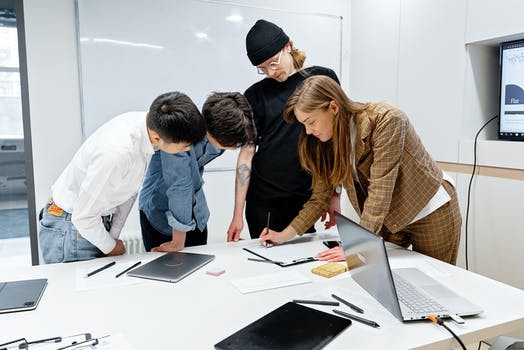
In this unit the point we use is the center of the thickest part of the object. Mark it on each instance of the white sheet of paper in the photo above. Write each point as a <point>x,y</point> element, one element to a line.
<point>103,279</point>
<point>269,281</point>
<point>114,342</point>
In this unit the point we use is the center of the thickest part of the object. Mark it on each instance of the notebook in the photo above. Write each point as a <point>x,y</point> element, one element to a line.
<point>408,293</point>
<point>21,295</point>
<point>171,267</point>
<point>289,327</point>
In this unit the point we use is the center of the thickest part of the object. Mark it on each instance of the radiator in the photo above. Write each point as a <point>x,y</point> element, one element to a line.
<point>133,242</point>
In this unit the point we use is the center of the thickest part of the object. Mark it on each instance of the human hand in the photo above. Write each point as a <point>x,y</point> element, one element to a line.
<point>168,247</point>
<point>234,230</point>
<point>334,205</point>
<point>119,249</point>
<point>333,254</point>
<point>275,238</point>
<point>177,243</point>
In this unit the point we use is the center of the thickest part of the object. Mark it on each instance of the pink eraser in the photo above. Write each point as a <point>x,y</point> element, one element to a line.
<point>215,271</point>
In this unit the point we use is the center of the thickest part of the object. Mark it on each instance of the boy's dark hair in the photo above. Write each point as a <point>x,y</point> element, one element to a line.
<point>176,118</point>
<point>229,119</point>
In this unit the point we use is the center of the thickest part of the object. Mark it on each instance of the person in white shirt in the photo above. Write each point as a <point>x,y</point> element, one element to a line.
<point>93,196</point>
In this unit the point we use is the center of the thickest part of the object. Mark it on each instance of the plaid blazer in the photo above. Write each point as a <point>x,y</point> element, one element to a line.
<point>396,175</point>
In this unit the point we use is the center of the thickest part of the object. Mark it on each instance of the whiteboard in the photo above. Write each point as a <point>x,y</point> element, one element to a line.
<point>131,51</point>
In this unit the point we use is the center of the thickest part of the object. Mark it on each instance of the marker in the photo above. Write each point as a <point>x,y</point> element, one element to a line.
<point>353,306</point>
<point>100,269</point>
<point>357,318</point>
<point>268,245</point>
<point>317,302</point>
<point>129,268</point>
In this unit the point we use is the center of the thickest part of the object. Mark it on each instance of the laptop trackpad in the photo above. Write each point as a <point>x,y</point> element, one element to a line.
<point>438,292</point>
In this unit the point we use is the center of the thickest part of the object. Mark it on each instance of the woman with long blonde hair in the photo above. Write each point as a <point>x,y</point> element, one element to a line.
<point>373,151</point>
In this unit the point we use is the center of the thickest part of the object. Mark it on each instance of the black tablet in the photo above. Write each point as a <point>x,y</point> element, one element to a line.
<point>291,326</point>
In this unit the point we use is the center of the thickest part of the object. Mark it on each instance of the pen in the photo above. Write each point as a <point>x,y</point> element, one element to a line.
<point>100,269</point>
<point>317,302</point>
<point>357,318</point>
<point>266,261</point>
<point>353,306</point>
<point>309,258</point>
<point>129,268</point>
<point>268,245</point>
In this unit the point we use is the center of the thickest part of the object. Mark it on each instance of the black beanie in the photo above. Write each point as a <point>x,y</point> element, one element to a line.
<point>264,40</point>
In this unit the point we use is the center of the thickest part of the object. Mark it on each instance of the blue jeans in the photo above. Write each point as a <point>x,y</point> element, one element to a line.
<point>60,240</point>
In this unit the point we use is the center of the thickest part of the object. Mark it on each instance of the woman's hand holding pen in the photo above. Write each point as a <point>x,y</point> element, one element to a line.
<point>274,237</point>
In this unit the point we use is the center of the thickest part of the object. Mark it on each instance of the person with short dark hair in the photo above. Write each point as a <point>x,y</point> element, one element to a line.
<point>269,176</point>
<point>93,196</point>
<point>172,202</point>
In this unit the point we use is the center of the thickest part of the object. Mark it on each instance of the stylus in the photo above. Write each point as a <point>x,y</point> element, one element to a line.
<point>353,306</point>
<point>267,244</point>
<point>266,261</point>
<point>357,318</point>
<point>129,268</point>
<point>317,302</point>
<point>101,269</point>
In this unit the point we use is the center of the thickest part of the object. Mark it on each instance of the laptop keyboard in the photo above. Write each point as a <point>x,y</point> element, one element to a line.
<point>413,299</point>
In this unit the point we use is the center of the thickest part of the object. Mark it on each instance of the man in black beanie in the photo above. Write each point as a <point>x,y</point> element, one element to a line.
<point>270,180</point>
<point>264,40</point>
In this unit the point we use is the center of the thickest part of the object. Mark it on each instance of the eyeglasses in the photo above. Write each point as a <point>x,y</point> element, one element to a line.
<point>271,65</point>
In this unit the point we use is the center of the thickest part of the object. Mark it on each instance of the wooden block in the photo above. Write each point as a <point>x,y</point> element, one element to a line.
<point>329,270</point>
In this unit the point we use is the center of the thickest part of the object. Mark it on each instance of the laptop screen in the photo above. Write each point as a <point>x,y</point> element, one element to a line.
<point>374,273</point>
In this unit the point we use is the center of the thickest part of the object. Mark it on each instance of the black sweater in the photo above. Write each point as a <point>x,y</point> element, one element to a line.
<point>276,171</point>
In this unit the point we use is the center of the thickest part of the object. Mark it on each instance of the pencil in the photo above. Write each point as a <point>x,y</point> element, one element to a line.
<point>100,269</point>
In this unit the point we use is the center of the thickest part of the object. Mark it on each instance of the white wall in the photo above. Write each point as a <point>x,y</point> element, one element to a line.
<point>55,104</point>
<point>438,61</point>
<point>54,97</point>
<point>400,51</point>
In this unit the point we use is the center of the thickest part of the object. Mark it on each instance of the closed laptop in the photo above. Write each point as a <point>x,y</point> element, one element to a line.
<point>289,327</point>
<point>21,295</point>
<point>172,267</point>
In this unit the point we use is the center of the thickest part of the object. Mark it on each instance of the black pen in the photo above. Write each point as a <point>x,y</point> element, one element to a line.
<point>317,302</point>
<point>309,258</point>
<point>101,269</point>
<point>267,244</point>
<point>266,261</point>
<point>357,318</point>
<point>353,306</point>
<point>129,268</point>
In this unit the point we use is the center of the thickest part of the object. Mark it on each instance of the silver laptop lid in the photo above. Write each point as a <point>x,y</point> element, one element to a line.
<point>171,267</point>
<point>424,294</point>
<point>21,295</point>
<point>374,274</point>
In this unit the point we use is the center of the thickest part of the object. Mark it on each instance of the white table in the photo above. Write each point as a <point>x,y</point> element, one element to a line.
<point>201,309</point>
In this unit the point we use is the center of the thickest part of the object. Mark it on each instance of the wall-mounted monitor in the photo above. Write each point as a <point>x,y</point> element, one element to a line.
<point>511,126</point>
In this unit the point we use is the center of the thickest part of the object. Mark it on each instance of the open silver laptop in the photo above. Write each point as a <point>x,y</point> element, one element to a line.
<point>408,293</point>
<point>21,295</point>
<point>172,267</point>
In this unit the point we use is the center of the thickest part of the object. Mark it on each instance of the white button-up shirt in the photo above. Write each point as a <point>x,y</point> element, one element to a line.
<point>104,178</point>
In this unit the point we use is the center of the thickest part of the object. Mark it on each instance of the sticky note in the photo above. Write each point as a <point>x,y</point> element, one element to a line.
<point>215,271</point>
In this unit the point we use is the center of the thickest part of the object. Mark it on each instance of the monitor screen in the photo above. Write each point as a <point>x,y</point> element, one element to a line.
<point>511,110</point>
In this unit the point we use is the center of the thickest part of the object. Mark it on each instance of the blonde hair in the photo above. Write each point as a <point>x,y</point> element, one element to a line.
<point>328,162</point>
<point>299,57</point>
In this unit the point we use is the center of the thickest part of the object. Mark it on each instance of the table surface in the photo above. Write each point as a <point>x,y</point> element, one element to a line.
<point>201,309</point>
